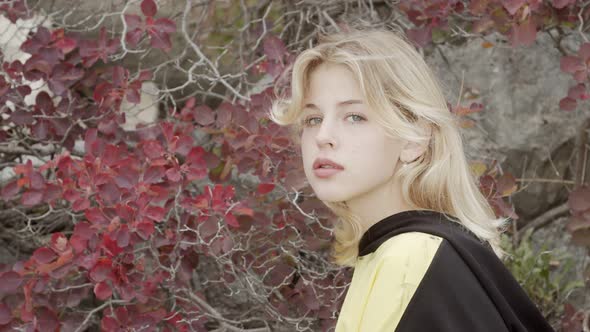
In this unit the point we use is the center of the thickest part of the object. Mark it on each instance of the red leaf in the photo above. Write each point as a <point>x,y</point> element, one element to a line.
<point>160,40</point>
<point>46,320</point>
<point>183,145</point>
<point>145,229</point>
<point>66,45</point>
<point>196,173</point>
<point>24,168</point>
<point>523,34</point>
<point>101,91</point>
<point>133,96</point>
<point>37,181</point>
<point>83,230</point>
<point>119,75</point>
<point>9,282</point>
<point>164,25</point>
<point>152,149</point>
<point>196,156</point>
<point>579,199</point>
<point>133,36</point>
<point>168,130</point>
<point>578,91</point>
<point>123,236</point>
<point>40,129</point>
<point>512,6</point>
<point>102,270</point>
<point>243,210</point>
<point>154,174</point>
<point>231,220</point>
<point>78,243</point>
<point>81,204</point>
<point>59,242</point>
<point>149,7</point>
<point>109,193</point>
<point>571,64</point>
<point>67,72</point>
<point>24,90</point>
<point>62,260</point>
<point>102,291</point>
<point>173,174</point>
<point>155,213</point>
<point>96,216</point>
<point>264,188</point>
<point>109,324</point>
<point>421,36</point>
<point>44,255</point>
<point>5,314</point>
<point>32,198</point>
<point>10,190</point>
<point>145,75</point>
<point>204,115</point>
<point>21,117</point>
<point>224,113</point>
<point>584,52</point>
<point>122,315</point>
<point>568,104</point>
<point>110,245</point>
<point>581,75</point>
<point>37,68</point>
<point>40,39</point>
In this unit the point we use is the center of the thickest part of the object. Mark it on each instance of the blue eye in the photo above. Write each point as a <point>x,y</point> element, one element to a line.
<point>307,121</point>
<point>358,116</point>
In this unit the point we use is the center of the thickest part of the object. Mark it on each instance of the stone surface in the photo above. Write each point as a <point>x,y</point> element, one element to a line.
<point>521,124</point>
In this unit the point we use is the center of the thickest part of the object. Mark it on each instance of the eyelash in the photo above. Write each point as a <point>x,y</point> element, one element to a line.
<point>307,120</point>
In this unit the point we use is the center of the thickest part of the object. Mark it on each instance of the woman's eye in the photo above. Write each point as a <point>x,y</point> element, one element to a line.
<point>358,117</point>
<point>309,121</point>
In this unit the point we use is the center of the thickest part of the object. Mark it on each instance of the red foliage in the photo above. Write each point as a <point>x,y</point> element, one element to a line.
<point>132,190</point>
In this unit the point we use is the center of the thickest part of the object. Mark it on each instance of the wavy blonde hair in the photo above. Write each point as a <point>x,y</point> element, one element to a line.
<point>393,76</point>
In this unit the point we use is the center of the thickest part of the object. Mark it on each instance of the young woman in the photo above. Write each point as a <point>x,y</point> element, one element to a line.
<point>382,150</point>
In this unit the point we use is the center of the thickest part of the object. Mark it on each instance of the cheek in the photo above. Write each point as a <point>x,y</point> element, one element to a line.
<point>306,148</point>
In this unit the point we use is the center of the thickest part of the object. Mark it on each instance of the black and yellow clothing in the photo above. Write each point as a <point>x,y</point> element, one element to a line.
<point>419,271</point>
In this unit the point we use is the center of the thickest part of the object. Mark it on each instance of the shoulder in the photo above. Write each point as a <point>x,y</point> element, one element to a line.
<point>410,244</point>
<point>405,258</point>
<point>390,277</point>
<point>452,296</point>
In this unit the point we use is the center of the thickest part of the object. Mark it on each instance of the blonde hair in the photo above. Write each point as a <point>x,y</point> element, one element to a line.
<point>392,75</point>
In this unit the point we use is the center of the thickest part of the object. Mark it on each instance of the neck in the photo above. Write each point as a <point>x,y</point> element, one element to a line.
<point>379,203</point>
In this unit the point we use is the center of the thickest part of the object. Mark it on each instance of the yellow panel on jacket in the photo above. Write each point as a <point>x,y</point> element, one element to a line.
<point>384,281</point>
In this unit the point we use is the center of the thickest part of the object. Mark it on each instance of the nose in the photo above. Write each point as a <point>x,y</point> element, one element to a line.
<point>325,135</point>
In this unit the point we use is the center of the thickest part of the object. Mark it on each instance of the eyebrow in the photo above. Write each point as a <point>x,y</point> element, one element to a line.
<point>342,103</point>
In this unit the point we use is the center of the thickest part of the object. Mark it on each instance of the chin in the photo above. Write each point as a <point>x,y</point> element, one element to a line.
<point>331,196</point>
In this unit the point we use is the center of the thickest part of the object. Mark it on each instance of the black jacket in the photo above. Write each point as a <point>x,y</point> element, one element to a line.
<point>466,287</point>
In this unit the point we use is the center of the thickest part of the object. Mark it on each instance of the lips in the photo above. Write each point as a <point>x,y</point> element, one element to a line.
<point>319,162</point>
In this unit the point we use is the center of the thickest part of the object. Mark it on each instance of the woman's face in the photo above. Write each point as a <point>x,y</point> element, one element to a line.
<point>340,126</point>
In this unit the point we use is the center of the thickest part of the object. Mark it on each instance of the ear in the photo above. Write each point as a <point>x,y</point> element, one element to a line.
<point>413,150</point>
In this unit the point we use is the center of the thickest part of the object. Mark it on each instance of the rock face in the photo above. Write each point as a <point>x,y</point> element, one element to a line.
<point>521,124</point>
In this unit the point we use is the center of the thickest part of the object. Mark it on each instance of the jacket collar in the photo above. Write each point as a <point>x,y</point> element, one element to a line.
<point>378,233</point>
